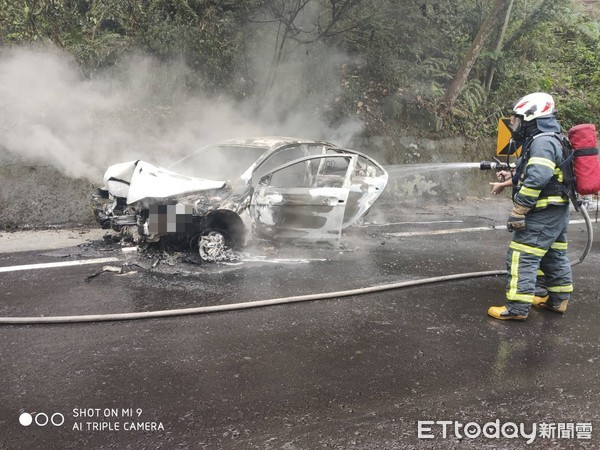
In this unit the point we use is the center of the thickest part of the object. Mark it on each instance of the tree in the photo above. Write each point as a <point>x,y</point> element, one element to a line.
<point>473,52</point>
<point>304,22</point>
<point>499,43</point>
<point>540,14</point>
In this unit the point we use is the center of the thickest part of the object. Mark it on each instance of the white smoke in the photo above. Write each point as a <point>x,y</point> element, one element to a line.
<point>51,114</point>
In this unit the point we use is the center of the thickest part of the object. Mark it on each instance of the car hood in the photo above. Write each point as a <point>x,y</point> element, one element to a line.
<point>137,180</point>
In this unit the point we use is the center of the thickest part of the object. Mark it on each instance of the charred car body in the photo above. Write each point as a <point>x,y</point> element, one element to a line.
<point>281,188</point>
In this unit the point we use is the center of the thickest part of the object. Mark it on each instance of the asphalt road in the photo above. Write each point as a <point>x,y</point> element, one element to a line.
<point>404,368</point>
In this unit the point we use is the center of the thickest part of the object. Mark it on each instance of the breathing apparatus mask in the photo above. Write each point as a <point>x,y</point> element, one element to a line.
<point>521,129</point>
<point>517,128</point>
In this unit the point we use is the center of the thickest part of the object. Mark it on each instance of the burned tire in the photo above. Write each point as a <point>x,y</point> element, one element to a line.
<point>212,246</point>
<point>223,234</point>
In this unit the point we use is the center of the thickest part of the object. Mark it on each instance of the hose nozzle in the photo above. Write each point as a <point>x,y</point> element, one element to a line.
<point>495,165</point>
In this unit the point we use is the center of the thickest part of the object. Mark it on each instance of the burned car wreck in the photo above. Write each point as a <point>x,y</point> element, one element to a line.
<point>280,189</point>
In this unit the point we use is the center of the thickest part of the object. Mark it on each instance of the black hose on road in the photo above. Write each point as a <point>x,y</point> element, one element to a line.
<point>243,305</point>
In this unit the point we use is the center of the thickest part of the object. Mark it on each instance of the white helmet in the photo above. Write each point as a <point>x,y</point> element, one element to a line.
<point>532,106</point>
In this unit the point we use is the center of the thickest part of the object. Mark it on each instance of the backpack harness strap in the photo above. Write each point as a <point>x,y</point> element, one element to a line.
<point>567,186</point>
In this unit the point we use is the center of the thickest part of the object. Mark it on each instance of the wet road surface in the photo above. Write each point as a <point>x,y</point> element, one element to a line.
<point>354,372</point>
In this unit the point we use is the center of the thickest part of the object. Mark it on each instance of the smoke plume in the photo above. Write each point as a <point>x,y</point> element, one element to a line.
<point>51,114</point>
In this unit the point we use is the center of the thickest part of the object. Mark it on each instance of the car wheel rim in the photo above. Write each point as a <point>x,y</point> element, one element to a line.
<point>212,246</point>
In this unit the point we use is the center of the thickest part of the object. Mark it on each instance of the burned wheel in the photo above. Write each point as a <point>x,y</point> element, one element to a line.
<point>212,246</point>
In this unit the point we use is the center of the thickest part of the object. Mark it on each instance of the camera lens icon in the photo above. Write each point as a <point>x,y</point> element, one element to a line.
<point>25,419</point>
<point>41,419</point>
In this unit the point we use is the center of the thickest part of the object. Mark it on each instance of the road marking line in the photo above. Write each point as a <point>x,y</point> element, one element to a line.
<point>58,264</point>
<point>435,232</point>
<point>457,230</point>
<point>409,223</point>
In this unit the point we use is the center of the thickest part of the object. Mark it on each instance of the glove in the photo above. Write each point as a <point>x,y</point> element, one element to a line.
<point>504,175</point>
<point>516,220</point>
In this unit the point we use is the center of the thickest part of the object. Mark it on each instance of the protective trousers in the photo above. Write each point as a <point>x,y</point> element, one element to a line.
<point>539,248</point>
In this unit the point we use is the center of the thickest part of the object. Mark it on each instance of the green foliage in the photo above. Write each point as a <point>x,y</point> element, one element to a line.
<point>561,60</point>
<point>13,21</point>
<point>410,49</point>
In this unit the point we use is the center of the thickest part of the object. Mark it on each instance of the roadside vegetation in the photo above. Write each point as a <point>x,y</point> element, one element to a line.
<point>440,67</point>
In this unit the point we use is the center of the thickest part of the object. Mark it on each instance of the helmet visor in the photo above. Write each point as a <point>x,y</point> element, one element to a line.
<point>516,122</point>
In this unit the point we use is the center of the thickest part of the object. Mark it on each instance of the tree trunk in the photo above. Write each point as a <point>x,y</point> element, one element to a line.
<point>490,75</point>
<point>531,21</point>
<point>460,79</point>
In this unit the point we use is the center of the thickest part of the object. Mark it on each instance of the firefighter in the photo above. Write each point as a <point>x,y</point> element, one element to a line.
<point>539,216</point>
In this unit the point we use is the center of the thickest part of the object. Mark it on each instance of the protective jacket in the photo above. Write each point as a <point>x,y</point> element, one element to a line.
<point>540,179</point>
<point>537,254</point>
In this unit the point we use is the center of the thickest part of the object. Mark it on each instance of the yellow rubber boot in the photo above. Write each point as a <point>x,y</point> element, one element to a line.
<point>541,302</point>
<point>502,313</point>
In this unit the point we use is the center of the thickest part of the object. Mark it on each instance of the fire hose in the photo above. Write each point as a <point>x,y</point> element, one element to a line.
<point>276,301</point>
